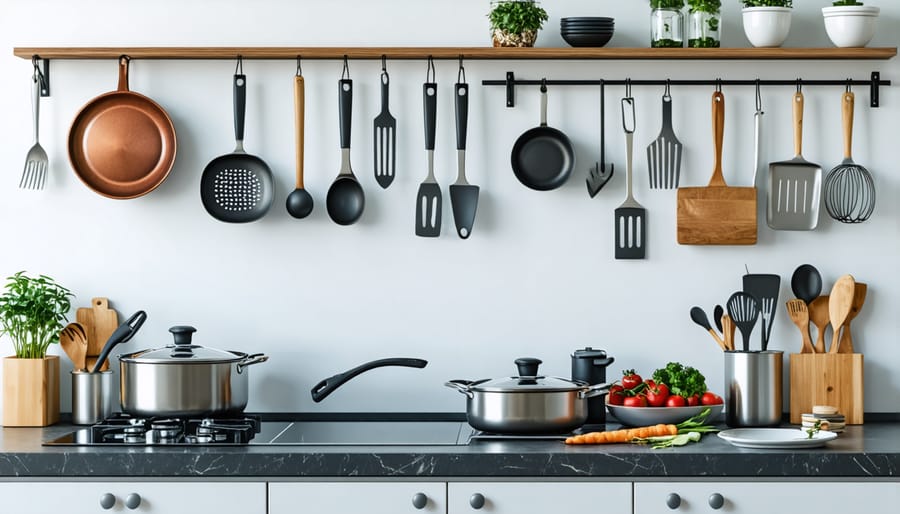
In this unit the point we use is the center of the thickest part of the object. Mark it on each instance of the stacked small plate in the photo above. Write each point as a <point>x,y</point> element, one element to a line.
<point>587,31</point>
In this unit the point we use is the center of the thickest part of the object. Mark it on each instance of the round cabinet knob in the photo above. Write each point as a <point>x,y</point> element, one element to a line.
<point>419,501</point>
<point>133,501</point>
<point>107,501</point>
<point>716,501</point>
<point>673,501</point>
<point>476,501</point>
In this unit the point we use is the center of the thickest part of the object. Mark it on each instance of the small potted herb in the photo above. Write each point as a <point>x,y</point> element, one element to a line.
<point>849,23</point>
<point>767,22</point>
<point>516,22</point>
<point>704,23</point>
<point>666,24</point>
<point>32,313</point>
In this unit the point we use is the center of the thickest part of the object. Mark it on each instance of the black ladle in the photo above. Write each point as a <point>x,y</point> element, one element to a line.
<point>123,333</point>
<point>345,200</point>
<point>806,283</point>
<point>299,201</point>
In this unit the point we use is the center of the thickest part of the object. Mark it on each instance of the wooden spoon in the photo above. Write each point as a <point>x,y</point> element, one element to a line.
<point>818,314</point>
<point>859,297</point>
<point>839,306</point>
<point>799,314</point>
<point>728,332</point>
<point>73,339</point>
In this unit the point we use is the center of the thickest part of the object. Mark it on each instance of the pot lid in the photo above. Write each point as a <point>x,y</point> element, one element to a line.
<point>183,351</point>
<point>528,381</point>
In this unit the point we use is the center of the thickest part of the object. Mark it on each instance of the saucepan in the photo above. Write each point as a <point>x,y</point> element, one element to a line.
<point>528,403</point>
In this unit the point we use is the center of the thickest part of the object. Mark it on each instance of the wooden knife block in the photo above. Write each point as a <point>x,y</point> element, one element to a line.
<point>827,379</point>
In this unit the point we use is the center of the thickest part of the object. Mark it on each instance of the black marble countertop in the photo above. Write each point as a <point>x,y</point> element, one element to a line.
<point>864,452</point>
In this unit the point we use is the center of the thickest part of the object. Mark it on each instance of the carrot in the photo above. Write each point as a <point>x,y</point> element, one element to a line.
<point>625,435</point>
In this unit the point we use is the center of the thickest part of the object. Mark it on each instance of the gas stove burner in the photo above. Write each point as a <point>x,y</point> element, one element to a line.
<point>124,429</point>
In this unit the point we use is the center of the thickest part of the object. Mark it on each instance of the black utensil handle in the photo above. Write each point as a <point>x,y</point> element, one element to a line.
<point>602,123</point>
<point>462,114</point>
<point>385,90</point>
<point>123,333</point>
<point>429,99</point>
<point>345,101</point>
<point>321,390</point>
<point>240,105</point>
<point>667,110</point>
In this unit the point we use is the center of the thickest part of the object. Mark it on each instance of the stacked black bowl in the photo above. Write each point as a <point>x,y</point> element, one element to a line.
<point>589,31</point>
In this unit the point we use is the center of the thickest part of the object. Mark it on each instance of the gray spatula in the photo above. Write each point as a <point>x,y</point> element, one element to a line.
<point>428,199</point>
<point>631,217</point>
<point>463,196</point>
<point>385,144</point>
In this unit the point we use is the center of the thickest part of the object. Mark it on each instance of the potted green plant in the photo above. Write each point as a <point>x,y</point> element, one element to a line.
<point>32,313</point>
<point>516,22</point>
<point>849,23</point>
<point>704,23</point>
<point>767,22</point>
<point>666,23</point>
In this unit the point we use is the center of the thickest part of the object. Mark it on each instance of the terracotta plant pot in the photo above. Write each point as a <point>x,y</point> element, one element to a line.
<point>30,391</point>
<point>504,38</point>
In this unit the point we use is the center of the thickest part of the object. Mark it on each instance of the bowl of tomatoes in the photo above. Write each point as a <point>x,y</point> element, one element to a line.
<point>674,394</point>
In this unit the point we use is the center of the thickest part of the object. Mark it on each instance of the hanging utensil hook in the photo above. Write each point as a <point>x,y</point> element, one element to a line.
<point>667,92</point>
<point>299,68</point>
<point>238,68</point>
<point>628,88</point>
<point>430,73</point>
<point>346,73</point>
<point>628,108</point>
<point>799,85</point>
<point>758,98</point>
<point>849,84</point>
<point>462,71</point>
<point>383,63</point>
<point>543,85</point>
<point>718,85</point>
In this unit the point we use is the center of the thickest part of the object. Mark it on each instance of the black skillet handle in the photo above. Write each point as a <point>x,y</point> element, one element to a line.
<point>327,386</point>
<point>240,105</point>
<point>462,114</point>
<point>429,97</point>
<point>345,101</point>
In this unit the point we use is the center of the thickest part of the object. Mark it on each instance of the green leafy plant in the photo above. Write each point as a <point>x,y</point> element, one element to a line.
<point>682,380</point>
<point>517,16</point>
<point>32,312</point>
<point>710,6</point>
<point>840,3</point>
<point>768,3</point>
<point>666,4</point>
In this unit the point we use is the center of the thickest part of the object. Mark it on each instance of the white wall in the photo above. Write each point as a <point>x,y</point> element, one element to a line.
<point>536,278</point>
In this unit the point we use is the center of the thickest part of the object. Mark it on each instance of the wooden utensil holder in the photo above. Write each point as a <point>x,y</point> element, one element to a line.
<point>827,379</point>
<point>30,391</point>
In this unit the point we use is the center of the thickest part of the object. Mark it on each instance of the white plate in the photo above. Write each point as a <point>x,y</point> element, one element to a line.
<point>644,416</point>
<point>775,437</point>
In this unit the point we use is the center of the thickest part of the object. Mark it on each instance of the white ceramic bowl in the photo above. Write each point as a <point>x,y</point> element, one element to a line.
<point>646,416</point>
<point>850,26</point>
<point>766,26</point>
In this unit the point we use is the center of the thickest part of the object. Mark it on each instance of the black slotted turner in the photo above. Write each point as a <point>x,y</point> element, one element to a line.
<point>429,201</point>
<point>631,217</point>
<point>765,288</point>
<point>385,144</point>
<point>744,311</point>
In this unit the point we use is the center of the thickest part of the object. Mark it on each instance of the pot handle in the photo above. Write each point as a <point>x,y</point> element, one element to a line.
<point>321,390</point>
<point>250,360</point>
<point>462,386</point>
<point>594,390</point>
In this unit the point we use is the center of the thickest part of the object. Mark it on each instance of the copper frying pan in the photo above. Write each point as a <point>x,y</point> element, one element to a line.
<point>122,144</point>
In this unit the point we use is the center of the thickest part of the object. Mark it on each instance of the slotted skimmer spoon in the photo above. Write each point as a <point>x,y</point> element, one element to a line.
<point>744,311</point>
<point>36,162</point>
<point>385,136</point>
<point>631,217</point>
<point>664,154</point>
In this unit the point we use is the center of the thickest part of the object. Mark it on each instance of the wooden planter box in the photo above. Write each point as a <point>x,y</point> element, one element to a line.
<point>30,391</point>
<point>827,379</point>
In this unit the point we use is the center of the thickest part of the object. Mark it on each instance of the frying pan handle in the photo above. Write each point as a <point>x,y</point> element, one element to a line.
<point>429,99</point>
<point>123,73</point>
<point>462,114</point>
<point>718,128</point>
<point>345,103</point>
<point>327,386</point>
<point>798,123</point>
<point>240,105</point>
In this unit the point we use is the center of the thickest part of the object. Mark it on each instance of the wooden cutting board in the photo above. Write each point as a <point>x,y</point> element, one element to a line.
<point>717,214</point>
<point>99,323</point>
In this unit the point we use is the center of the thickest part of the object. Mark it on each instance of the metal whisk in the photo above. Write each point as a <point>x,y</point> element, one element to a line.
<point>849,191</point>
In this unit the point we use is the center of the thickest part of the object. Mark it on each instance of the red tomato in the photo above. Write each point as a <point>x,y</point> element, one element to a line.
<point>630,379</point>
<point>675,401</point>
<point>657,394</point>
<point>693,400</point>
<point>635,401</point>
<point>616,395</point>
<point>710,398</point>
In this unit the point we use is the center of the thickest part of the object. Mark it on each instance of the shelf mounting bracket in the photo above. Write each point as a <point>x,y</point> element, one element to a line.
<point>42,70</point>
<point>873,92</point>
<point>510,89</point>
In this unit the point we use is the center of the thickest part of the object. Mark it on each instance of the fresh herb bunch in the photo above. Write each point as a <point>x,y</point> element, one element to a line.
<point>710,6</point>
<point>682,380</point>
<point>32,312</point>
<point>666,4</point>
<point>768,3</point>
<point>839,3</point>
<point>517,16</point>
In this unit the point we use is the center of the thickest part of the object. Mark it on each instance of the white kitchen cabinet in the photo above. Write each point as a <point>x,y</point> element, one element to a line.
<point>357,497</point>
<point>765,497</point>
<point>539,497</point>
<point>148,497</point>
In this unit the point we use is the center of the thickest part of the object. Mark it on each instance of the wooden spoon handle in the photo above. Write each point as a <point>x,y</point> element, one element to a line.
<point>299,106</point>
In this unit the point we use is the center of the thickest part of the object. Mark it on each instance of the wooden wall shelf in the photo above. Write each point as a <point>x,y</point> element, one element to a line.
<point>312,52</point>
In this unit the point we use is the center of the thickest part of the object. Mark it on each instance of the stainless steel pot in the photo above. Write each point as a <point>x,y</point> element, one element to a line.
<point>185,379</point>
<point>528,403</point>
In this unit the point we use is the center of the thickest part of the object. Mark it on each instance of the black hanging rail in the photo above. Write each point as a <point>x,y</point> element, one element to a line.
<point>511,82</point>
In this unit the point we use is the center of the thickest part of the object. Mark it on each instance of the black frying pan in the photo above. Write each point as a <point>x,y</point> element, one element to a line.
<point>543,157</point>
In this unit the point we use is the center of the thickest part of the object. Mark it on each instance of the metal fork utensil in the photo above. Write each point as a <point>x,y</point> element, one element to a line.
<point>36,162</point>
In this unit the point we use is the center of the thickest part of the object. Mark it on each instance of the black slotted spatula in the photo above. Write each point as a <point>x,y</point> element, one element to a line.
<point>429,201</point>
<point>385,144</point>
<point>631,217</point>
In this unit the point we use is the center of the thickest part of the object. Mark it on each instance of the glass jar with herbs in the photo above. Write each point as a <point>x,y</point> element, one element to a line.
<point>704,23</point>
<point>666,24</point>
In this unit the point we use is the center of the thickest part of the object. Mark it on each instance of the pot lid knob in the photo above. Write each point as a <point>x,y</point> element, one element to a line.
<point>183,345</point>
<point>528,366</point>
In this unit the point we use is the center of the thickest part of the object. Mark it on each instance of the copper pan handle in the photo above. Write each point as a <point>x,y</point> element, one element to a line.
<point>123,72</point>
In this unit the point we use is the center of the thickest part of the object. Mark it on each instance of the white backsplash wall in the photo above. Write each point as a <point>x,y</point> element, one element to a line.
<point>536,278</point>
